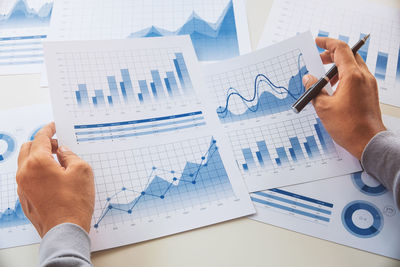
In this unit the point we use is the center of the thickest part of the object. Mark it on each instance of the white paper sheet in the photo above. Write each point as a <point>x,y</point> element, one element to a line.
<point>272,145</point>
<point>17,127</point>
<point>133,109</point>
<point>351,21</point>
<point>23,26</point>
<point>352,210</point>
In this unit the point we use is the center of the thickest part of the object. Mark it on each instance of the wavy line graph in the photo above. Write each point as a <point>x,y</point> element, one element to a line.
<point>266,102</point>
<point>13,216</point>
<point>211,41</point>
<point>21,15</point>
<point>197,184</point>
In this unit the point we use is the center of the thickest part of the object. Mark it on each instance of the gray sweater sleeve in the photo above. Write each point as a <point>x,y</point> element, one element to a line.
<point>381,159</point>
<point>65,245</point>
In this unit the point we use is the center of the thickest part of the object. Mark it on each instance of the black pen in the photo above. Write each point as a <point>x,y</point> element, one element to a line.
<point>308,95</point>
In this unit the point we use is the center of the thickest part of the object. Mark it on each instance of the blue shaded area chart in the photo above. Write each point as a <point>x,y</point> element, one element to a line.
<point>369,190</point>
<point>198,183</point>
<point>21,15</point>
<point>161,87</point>
<point>211,41</point>
<point>135,128</point>
<point>7,146</point>
<point>12,217</point>
<point>273,99</point>
<point>370,217</point>
<point>257,153</point>
<point>297,205</point>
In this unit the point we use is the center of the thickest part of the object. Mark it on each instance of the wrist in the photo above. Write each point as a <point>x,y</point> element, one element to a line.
<point>365,136</point>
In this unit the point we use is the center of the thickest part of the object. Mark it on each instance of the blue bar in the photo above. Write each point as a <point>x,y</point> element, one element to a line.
<point>88,126</point>
<point>144,89</point>
<point>344,38</point>
<point>33,37</point>
<point>282,155</point>
<point>172,83</point>
<point>260,159</point>
<point>83,93</point>
<point>292,154</point>
<point>140,96</point>
<point>248,156</point>
<point>312,147</point>
<point>322,34</point>
<point>296,203</point>
<point>320,137</point>
<point>278,161</point>
<point>326,141</point>
<point>123,91</point>
<point>112,84</point>
<point>245,167</point>
<point>364,49</point>
<point>381,65</point>
<point>178,71</point>
<point>157,83</point>
<point>154,90</point>
<point>184,71</point>
<point>99,97</point>
<point>307,214</point>
<point>94,99</point>
<point>313,200</point>
<point>398,68</point>
<point>21,50</point>
<point>294,141</point>
<point>168,87</point>
<point>20,44</point>
<point>262,147</point>
<point>78,97</point>
<point>110,100</point>
<point>308,150</point>
<point>127,83</point>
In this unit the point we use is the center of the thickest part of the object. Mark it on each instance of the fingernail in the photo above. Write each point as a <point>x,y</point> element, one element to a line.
<point>64,149</point>
<point>306,78</point>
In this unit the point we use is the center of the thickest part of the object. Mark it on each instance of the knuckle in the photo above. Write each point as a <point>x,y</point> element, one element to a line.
<point>83,166</point>
<point>341,45</point>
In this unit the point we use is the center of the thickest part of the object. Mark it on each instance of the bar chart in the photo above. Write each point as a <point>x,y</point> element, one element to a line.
<point>273,147</point>
<point>171,85</point>
<point>381,52</point>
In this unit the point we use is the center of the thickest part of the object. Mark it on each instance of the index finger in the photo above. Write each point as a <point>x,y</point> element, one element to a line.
<point>340,53</point>
<point>42,141</point>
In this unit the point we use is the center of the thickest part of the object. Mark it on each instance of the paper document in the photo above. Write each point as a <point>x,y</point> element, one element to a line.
<point>354,210</point>
<point>252,96</point>
<point>351,21</point>
<point>17,127</point>
<point>134,111</point>
<point>23,27</point>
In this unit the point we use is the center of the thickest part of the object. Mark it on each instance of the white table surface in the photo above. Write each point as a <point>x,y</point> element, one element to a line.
<point>240,242</point>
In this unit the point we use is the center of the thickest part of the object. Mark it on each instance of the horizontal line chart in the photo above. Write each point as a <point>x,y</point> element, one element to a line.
<point>159,180</point>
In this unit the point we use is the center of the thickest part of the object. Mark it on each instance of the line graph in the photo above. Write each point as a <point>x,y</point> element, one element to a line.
<point>158,188</point>
<point>212,41</point>
<point>268,95</point>
<point>22,15</point>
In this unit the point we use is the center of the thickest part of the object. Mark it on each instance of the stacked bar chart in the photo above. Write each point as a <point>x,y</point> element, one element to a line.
<point>260,149</point>
<point>127,90</point>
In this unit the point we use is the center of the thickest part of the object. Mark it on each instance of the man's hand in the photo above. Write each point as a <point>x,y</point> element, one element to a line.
<point>51,193</point>
<point>352,115</point>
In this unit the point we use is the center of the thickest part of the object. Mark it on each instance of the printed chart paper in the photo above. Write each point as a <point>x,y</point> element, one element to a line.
<point>252,96</point>
<point>352,21</point>
<point>18,126</point>
<point>132,109</point>
<point>23,27</point>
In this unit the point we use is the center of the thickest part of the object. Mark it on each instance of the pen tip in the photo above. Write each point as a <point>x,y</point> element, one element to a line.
<point>367,36</point>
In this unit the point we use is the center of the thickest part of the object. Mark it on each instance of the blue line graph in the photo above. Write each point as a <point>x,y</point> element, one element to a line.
<point>13,216</point>
<point>196,184</point>
<point>21,15</point>
<point>266,102</point>
<point>211,41</point>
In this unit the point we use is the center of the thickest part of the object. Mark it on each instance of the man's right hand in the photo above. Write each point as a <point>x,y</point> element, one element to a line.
<point>351,115</point>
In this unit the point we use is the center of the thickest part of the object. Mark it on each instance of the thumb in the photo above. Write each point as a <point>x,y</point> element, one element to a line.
<point>66,157</point>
